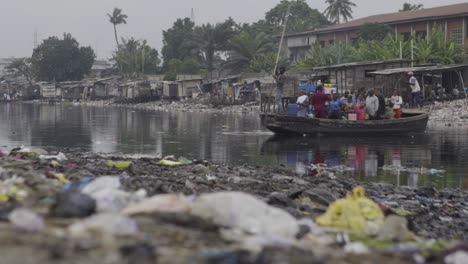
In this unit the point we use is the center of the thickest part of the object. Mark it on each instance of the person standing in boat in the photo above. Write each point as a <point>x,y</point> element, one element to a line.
<point>280,79</point>
<point>360,108</point>
<point>397,102</point>
<point>318,101</point>
<point>415,98</point>
<point>372,105</point>
<point>381,111</point>
<point>303,104</point>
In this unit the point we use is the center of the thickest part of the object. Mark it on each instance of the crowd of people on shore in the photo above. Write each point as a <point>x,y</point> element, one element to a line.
<point>354,105</point>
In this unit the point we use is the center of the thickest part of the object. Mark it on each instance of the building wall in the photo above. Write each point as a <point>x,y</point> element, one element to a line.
<point>457,29</point>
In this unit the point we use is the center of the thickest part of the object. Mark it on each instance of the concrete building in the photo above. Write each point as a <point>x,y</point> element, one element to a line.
<point>452,18</point>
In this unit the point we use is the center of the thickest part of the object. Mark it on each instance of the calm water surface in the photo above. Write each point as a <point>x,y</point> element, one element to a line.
<point>239,139</point>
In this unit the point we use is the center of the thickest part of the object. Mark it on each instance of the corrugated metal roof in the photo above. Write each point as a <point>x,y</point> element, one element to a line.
<point>436,68</point>
<point>357,64</point>
<point>396,18</point>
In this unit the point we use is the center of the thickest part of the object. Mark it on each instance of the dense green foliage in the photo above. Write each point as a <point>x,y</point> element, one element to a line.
<point>135,57</point>
<point>301,17</point>
<point>61,60</point>
<point>21,68</point>
<point>190,49</point>
<point>433,50</point>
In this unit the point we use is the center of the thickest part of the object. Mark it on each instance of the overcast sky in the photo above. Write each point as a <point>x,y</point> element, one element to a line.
<point>86,19</point>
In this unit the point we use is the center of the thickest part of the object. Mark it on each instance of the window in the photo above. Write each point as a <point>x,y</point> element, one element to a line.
<point>421,35</point>
<point>322,44</point>
<point>466,27</point>
<point>367,73</point>
<point>331,42</point>
<point>406,35</point>
<point>456,35</point>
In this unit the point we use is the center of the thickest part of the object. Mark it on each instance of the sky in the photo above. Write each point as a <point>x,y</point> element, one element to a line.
<point>86,20</point>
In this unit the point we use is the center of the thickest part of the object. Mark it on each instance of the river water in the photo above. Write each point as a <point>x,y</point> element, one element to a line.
<point>435,158</point>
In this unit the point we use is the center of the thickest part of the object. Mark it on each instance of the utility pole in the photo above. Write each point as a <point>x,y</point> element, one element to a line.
<point>35,39</point>
<point>192,16</point>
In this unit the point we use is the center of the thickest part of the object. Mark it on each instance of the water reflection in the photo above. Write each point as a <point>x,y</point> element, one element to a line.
<point>403,160</point>
<point>238,139</point>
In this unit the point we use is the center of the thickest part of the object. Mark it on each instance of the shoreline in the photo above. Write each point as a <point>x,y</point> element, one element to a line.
<point>176,236</point>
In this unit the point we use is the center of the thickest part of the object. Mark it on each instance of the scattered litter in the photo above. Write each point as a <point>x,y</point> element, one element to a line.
<point>26,220</point>
<point>114,224</point>
<point>164,203</point>
<point>242,211</point>
<point>355,212</point>
<point>59,157</point>
<point>122,165</point>
<point>170,163</point>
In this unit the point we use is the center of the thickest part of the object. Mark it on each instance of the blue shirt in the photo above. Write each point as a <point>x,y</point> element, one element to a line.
<point>336,105</point>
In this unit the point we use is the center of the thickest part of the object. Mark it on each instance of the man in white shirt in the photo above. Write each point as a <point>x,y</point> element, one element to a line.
<point>415,99</point>
<point>303,104</point>
<point>372,105</point>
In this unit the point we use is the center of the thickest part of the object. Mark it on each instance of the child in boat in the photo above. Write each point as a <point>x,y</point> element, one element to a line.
<point>360,108</point>
<point>336,108</point>
<point>397,101</point>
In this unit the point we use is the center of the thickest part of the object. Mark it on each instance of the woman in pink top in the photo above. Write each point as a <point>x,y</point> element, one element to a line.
<point>360,108</point>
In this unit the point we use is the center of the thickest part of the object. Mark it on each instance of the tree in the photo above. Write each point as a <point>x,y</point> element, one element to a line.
<point>411,7</point>
<point>248,49</point>
<point>338,9</point>
<point>117,18</point>
<point>214,38</point>
<point>301,17</point>
<point>374,31</point>
<point>136,57</point>
<point>179,41</point>
<point>22,68</point>
<point>61,59</point>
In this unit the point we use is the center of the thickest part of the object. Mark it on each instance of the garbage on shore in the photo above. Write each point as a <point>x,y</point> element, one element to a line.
<point>202,211</point>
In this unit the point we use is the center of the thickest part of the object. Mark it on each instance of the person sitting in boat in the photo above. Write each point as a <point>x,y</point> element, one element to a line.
<point>318,101</point>
<point>336,108</point>
<point>360,108</point>
<point>303,104</point>
<point>372,105</point>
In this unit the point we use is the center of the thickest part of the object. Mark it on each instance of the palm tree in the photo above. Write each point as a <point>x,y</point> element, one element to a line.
<point>411,7</point>
<point>117,18</point>
<point>339,9</point>
<point>247,48</point>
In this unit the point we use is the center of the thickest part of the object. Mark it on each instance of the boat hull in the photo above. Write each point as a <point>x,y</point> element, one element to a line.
<point>281,124</point>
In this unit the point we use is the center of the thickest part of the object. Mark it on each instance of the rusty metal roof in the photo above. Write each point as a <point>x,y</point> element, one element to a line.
<point>425,69</point>
<point>396,18</point>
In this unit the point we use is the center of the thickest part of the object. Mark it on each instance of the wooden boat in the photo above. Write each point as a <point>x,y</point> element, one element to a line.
<point>411,122</point>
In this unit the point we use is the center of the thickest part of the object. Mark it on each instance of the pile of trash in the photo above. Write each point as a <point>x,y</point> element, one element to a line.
<point>451,112</point>
<point>59,207</point>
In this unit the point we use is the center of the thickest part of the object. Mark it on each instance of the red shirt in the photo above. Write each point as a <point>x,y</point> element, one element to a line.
<point>319,99</point>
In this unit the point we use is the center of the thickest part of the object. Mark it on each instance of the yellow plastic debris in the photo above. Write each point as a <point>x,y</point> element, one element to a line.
<point>61,178</point>
<point>119,165</point>
<point>170,163</point>
<point>54,163</point>
<point>355,212</point>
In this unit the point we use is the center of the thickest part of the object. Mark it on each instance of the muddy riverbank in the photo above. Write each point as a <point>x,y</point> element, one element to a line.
<point>169,232</point>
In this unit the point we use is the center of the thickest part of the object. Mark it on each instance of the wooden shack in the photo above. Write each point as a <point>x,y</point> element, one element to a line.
<point>353,76</point>
<point>188,85</point>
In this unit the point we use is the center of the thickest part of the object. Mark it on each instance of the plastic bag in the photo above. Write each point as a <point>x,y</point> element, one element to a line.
<point>119,165</point>
<point>355,212</point>
<point>170,163</point>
